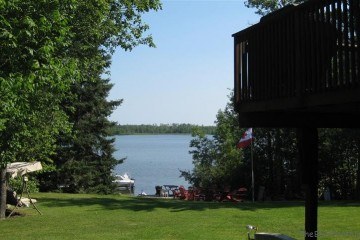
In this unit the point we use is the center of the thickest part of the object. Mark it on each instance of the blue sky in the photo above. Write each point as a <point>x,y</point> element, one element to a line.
<point>187,77</point>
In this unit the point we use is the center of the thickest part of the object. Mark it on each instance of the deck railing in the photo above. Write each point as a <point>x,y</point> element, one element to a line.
<point>302,50</point>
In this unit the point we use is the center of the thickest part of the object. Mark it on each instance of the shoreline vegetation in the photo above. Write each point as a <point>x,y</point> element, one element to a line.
<point>182,128</point>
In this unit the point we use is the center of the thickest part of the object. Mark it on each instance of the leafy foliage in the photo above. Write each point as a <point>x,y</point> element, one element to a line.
<point>339,157</point>
<point>84,159</point>
<point>215,158</point>
<point>34,79</point>
<point>218,163</point>
<point>264,7</point>
<point>17,183</point>
<point>51,53</point>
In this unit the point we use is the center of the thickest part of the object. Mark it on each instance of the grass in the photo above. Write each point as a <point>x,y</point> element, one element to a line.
<point>82,216</point>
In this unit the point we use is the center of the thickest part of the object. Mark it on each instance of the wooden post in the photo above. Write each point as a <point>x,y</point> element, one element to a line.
<point>308,151</point>
<point>252,173</point>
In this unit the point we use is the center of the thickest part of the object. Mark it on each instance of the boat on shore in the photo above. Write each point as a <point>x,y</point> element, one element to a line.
<point>124,182</point>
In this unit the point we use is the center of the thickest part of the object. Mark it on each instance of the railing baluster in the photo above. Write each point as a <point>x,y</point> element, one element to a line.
<point>322,65</point>
<point>336,55</point>
<point>265,66</point>
<point>346,43</point>
<point>277,55</point>
<point>283,65</point>
<point>308,53</point>
<point>251,71</point>
<point>286,55</point>
<point>255,74</point>
<point>240,73</point>
<point>237,71</point>
<point>293,44</point>
<point>288,78</point>
<point>352,43</point>
<point>244,70</point>
<point>340,43</point>
<point>299,63</point>
<point>318,53</point>
<point>329,72</point>
<point>261,59</point>
<point>252,68</point>
<point>357,43</point>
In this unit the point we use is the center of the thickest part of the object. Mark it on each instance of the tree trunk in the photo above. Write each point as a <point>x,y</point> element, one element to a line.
<point>278,167</point>
<point>270,183</point>
<point>2,193</point>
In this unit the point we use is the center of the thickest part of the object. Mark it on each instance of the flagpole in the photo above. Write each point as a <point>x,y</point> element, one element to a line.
<point>244,142</point>
<point>252,173</point>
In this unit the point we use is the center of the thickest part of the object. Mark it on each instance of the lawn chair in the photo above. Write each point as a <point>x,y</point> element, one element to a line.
<point>191,194</point>
<point>236,195</point>
<point>175,192</point>
<point>183,193</point>
<point>199,195</point>
<point>20,169</point>
<point>158,190</point>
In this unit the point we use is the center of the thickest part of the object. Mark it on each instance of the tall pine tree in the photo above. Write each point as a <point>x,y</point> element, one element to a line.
<point>85,159</point>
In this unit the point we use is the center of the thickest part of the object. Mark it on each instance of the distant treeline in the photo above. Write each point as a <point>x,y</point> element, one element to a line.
<point>159,129</point>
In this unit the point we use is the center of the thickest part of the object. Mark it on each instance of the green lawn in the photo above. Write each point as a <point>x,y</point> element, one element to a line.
<point>82,216</point>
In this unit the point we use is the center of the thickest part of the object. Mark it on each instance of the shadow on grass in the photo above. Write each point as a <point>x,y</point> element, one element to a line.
<point>150,204</point>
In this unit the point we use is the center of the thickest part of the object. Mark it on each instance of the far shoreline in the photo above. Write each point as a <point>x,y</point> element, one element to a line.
<point>162,129</point>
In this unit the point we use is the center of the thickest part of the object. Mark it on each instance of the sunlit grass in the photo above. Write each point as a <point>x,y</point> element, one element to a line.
<point>81,216</point>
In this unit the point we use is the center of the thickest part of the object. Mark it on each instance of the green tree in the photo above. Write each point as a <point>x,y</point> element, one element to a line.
<point>33,80</point>
<point>265,7</point>
<point>216,159</point>
<point>276,163</point>
<point>204,157</point>
<point>339,153</point>
<point>218,162</point>
<point>47,47</point>
<point>84,159</point>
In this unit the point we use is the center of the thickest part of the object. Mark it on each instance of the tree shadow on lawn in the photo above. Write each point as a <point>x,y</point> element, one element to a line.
<point>151,204</point>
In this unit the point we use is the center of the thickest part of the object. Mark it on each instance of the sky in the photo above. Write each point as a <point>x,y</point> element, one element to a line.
<point>188,76</point>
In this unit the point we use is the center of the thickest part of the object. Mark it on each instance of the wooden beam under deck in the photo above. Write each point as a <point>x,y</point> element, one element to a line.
<point>298,119</point>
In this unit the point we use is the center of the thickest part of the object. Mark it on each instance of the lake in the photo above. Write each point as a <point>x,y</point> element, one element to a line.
<point>153,159</point>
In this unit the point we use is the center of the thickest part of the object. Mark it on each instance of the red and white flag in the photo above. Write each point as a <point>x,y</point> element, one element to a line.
<point>246,139</point>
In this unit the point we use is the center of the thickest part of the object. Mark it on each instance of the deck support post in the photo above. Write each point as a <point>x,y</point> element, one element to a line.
<point>308,152</point>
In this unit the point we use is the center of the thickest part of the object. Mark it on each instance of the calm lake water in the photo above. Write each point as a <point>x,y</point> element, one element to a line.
<point>153,159</point>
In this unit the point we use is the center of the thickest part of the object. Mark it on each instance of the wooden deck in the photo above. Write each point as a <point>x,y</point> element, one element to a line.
<point>300,66</point>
